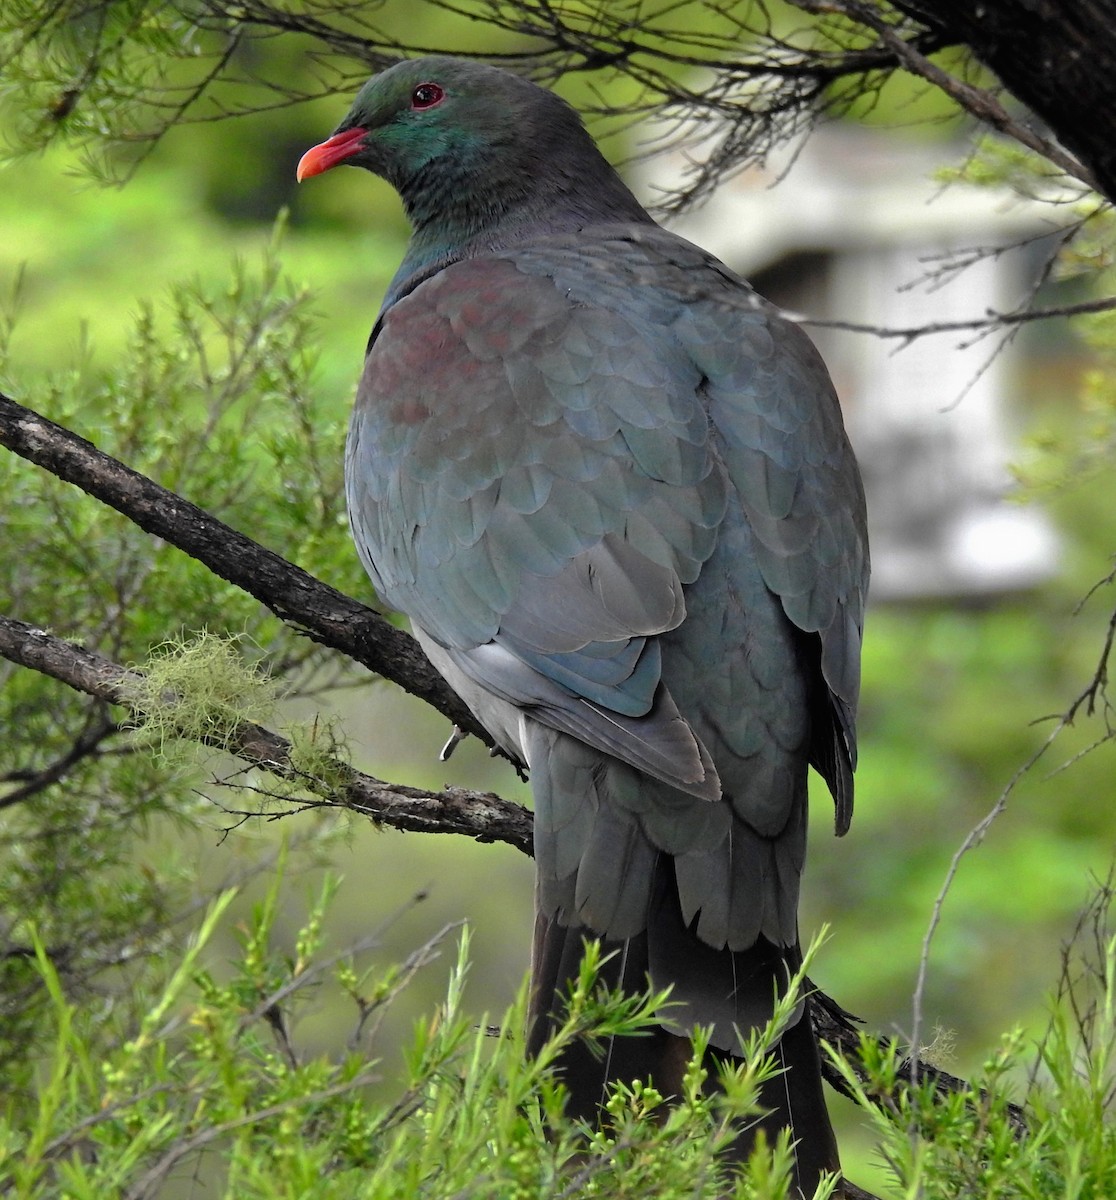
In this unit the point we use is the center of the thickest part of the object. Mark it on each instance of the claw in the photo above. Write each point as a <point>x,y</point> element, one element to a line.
<point>455,738</point>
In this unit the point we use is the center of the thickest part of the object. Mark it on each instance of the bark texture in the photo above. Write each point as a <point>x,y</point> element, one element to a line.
<point>1056,56</point>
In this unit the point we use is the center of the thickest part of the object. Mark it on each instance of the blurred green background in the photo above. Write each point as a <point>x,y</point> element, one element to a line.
<point>957,696</point>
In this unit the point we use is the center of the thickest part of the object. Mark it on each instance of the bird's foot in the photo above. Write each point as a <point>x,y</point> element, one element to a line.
<point>455,739</point>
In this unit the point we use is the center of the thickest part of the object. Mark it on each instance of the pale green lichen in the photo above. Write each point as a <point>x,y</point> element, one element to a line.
<point>319,753</point>
<point>199,688</point>
<point>942,1050</point>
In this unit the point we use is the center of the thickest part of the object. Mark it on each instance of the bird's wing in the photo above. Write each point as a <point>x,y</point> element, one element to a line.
<point>776,423</point>
<point>540,459</point>
<point>779,432</point>
<point>529,480</point>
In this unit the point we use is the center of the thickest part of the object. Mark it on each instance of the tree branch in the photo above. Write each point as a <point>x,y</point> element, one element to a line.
<point>479,815</point>
<point>324,614</point>
<point>979,102</point>
<point>1056,58</point>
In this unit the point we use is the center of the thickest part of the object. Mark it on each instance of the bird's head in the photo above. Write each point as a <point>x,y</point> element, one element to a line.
<point>425,111</point>
<point>468,143</point>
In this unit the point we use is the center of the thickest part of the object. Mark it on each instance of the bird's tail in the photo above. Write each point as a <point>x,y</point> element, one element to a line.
<point>793,1099</point>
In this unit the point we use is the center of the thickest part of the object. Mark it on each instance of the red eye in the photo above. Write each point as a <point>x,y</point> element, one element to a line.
<point>426,95</point>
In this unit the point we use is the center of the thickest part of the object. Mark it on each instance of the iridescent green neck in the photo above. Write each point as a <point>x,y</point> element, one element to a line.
<point>498,219</point>
<point>495,192</point>
<point>425,255</point>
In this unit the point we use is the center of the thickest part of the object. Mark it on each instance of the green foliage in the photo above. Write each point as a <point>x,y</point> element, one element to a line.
<point>1062,457</point>
<point>213,398</point>
<point>133,1056</point>
<point>994,161</point>
<point>974,1141</point>
<point>79,70</point>
<point>208,1082</point>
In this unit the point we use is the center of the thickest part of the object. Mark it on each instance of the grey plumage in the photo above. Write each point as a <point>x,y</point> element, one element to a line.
<point>611,488</point>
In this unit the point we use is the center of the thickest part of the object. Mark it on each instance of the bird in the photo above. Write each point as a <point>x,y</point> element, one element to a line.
<point>611,488</point>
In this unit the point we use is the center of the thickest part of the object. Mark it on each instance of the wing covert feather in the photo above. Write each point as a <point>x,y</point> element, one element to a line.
<point>545,447</point>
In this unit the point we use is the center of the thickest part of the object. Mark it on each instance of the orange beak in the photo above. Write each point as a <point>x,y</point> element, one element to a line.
<point>331,152</point>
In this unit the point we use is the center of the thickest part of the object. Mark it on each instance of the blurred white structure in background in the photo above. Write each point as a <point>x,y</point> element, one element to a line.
<point>859,231</point>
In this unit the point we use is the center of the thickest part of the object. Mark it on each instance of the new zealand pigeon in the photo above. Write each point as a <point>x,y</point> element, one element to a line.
<point>611,488</point>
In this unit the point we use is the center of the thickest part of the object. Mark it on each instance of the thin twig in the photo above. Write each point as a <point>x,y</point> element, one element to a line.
<point>149,1183</point>
<point>87,744</point>
<point>990,319</point>
<point>974,838</point>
